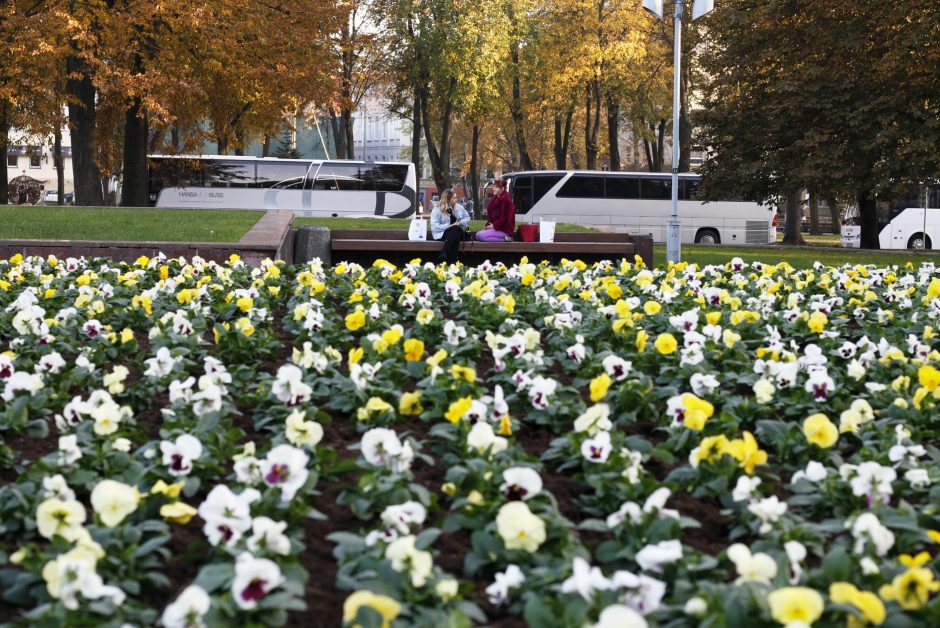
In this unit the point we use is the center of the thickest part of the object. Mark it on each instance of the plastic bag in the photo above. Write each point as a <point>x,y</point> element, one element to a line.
<point>528,233</point>
<point>547,231</point>
<point>418,229</point>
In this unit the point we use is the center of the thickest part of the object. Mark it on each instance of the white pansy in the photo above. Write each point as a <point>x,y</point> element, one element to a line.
<point>521,483</point>
<point>703,384</point>
<point>814,472</point>
<point>594,419</point>
<point>768,510</point>
<point>498,591</point>
<point>866,529</point>
<point>227,516</point>
<point>618,368</point>
<point>744,488</point>
<point>796,553</point>
<point>763,390</point>
<point>541,390</point>
<point>402,517</point>
<point>382,447</point>
<point>179,455</point>
<point>254,579</point>
<point>482,438</point>
<point>161,365</point>
<point>69,451</point>
<point>652,557</point>
<point>285,467</point>
<point>757,567</point>
<point>598,448</point>
<point>289,386</point>
<point>585,580</point>
<point>268,535</point>
<point>188,609</point>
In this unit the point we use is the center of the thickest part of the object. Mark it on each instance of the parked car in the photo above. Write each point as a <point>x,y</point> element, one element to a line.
<point>51,197</point>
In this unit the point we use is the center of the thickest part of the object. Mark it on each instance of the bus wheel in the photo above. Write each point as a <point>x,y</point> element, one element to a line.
<point>707,236</point>
<point>919,241</point>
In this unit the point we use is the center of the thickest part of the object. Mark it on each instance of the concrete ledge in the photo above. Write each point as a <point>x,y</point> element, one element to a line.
<point>271,237</point>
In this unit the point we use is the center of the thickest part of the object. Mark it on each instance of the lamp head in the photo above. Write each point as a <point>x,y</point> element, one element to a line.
<point>655,7</point>
<point>701,7</point>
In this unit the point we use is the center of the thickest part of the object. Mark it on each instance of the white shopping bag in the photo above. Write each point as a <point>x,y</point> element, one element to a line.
<point>547,231</point>
<point>418,230</point>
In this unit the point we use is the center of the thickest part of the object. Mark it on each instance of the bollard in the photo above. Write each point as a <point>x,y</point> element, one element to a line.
<point>312,241</point>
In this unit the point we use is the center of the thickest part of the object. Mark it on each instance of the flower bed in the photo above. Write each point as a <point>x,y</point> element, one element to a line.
<point>188,442</point>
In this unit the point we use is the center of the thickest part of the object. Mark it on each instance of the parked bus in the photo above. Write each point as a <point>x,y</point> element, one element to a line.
<point>317,188</point>
<point>640,203</point>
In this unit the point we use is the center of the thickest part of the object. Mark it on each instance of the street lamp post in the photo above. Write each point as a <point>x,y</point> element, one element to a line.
<point>699,8</point>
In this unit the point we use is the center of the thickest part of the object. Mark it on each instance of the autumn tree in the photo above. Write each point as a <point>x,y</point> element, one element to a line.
<point>850,113</point>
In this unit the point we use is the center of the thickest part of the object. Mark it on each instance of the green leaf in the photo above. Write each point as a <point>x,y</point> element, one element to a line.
<point>215,576</point>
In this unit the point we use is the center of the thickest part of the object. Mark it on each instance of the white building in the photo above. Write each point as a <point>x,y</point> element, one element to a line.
<point>32,155</point>
<point>380,135</point>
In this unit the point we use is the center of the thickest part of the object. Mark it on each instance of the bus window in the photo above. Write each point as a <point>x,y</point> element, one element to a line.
<point>656,189</point>
<point>344,177</point>
<point>270,174</point>
<point>688,189</point>
<point>522,193</point>
<point>384,177</point>
<point>543,183</point>
<point>623,187</point>
<point>582,186</point>
<point>230,174</point>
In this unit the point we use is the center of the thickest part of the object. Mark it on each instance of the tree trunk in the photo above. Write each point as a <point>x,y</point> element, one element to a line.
<point>59,163</point>
<point>266,146</point>
<point>834,211</point>
<point>339,134</point>
<point>661,146</point>
<point>347,114</point>
<point>613,133</point>
<point>82,114</point>
<point>654,152</point>
<point>4,143</point>
<point>868,219</point>
<point>791,233</point>
<point>814,215</point>
<point>440,159</point>
<point>474,175</point>
<point>518,118</point>
<point>222,145</point>
<point>685,127</point>
<point>562,137</point>
<point>592,124</point>
<point>416,135</point>
<point>135,189</point>
<point>175,137</point>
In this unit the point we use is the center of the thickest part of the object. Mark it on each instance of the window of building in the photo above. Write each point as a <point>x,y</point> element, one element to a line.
<point>12,161</point>
<point>35,159</point>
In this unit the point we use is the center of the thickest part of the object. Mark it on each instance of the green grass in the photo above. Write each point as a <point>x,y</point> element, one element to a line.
<point>38,222</point>
<point>396,224</point>
<point>825,239</point>
<point>798,257</point>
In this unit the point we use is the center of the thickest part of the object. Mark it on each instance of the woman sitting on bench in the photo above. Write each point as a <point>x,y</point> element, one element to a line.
<point>448,221</point>
<point>501,214</point>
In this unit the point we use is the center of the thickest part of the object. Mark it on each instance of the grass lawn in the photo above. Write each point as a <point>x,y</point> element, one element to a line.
<point>39,222</point>
<point>799,257</point>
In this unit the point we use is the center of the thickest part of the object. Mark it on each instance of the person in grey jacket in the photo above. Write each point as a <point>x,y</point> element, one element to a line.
<point>448,222</point>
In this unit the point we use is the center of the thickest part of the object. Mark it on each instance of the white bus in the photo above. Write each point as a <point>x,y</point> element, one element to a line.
<point>913,222</point>
<point>317,188</point>
<point>639,203</point>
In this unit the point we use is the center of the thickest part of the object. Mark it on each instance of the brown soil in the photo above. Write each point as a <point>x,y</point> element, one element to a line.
<point>712,537</point>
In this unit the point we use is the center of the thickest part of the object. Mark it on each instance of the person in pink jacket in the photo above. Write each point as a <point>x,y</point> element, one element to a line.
<point>501,214</point>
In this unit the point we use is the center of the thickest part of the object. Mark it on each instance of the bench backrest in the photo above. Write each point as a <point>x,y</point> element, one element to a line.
<point>560,236</point>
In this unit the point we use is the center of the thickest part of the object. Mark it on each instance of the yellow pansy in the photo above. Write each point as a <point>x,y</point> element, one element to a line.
<point>355,320</point>
<point>414,349</point>
<point>642,337</point>
<point>666,343</point>
<point>697,411</point>
<point>465,373</point>
<point>178,512</point>
<point>796,604</point>
<point>387,608</point>
<point>652,307</point>
<point>600,386</point>
<point>410,403</point>
<point>457,409</point>
<point>169,490</point>
<point>911,589</point>
<point>820,431</point>
<point>747,452</point>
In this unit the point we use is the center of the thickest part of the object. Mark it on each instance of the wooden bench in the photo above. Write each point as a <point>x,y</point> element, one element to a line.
<point>365,246</point>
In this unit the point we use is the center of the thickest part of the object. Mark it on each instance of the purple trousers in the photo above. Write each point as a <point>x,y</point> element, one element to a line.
<point>490,235</point>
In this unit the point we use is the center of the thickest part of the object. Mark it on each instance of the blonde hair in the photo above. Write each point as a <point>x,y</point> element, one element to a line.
<point>446,195</point>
